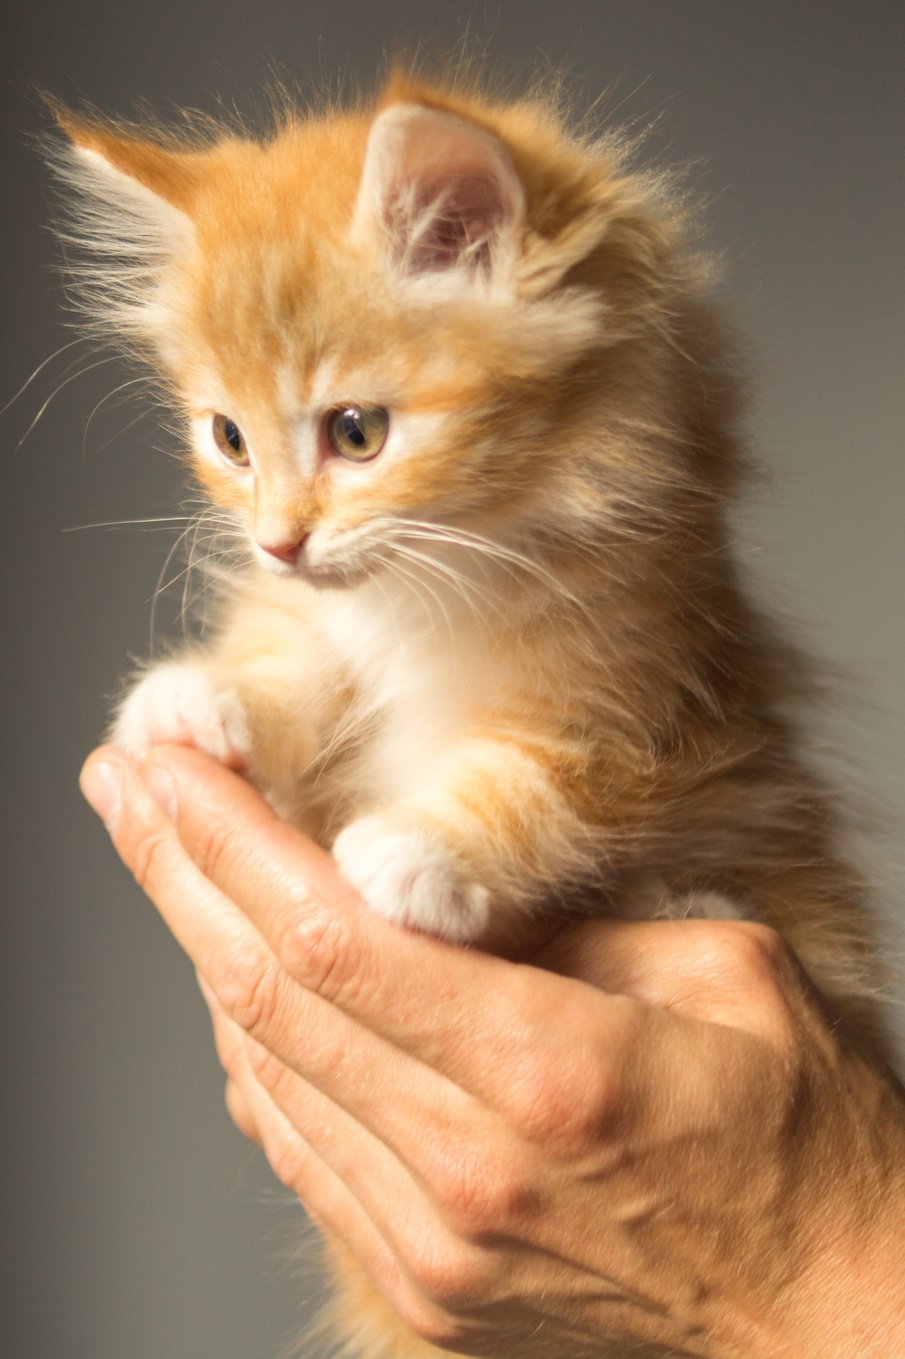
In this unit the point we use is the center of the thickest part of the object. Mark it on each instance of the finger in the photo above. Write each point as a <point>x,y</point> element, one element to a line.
<point>211,929</point>
<point>723,971</point>
<point>239,1112</point>
<point>331,1201</point>
<point>330,1049</point>
<point>404,1201</point>
<point>484,1024</point>
<point>445,1005</point>
<point>236,1103</point>
<point>326,1199</point>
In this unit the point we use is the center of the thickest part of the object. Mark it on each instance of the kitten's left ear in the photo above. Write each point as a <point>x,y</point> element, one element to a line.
<point>442,192</point>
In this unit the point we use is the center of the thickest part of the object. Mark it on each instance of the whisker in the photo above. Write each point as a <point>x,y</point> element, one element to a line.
<point>160,587</point>
<point>111,358</point>
<point>464,587</point>
<point>187,576</point>
<point>142,415</point>
<point>464,581</point>
<point>81,339</point>
<point>414,581</point>
<point>216,535</point>
<point>181,574</point>
<point>489,546</point>
<point>497,551</point>
<point>207,524</point>
<point>159,520</point>
<point>131,382</point>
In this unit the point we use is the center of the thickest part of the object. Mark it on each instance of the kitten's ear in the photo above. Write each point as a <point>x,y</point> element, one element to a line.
<point>126,215</point>
<point>171,175</point>
<point>144,189</point>
<point>443,192</point>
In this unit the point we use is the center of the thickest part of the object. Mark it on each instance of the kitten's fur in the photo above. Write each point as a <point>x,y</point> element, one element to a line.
<point>512,670</point>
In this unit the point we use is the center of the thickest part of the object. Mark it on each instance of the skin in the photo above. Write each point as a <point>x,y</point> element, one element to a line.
<point>650,1136</point>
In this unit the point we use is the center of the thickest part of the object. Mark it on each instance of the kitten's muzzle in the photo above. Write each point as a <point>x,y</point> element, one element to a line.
<point>288,551</point>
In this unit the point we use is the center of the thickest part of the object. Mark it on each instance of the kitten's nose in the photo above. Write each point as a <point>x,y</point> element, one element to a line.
<point>286,551</point>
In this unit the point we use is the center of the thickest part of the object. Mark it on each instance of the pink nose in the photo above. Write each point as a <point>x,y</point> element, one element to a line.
<point>287,551</point>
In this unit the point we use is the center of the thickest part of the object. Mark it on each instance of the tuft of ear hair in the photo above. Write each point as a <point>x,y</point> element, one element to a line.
<point>171,174</point>
<point>442,192</point>
<point>126,214</point>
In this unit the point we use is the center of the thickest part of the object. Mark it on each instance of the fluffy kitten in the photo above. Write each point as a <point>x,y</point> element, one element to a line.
<point>453,370</point>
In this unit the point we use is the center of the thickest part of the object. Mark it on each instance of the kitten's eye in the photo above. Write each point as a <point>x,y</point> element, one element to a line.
<point>358,432</point>
<point>228,438</point>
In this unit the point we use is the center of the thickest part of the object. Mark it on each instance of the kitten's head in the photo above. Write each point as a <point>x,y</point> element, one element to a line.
<point>427,314</point>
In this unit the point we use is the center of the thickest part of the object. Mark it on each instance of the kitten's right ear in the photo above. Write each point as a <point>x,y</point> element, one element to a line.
<point>170,175</point>
<point>146,189</point>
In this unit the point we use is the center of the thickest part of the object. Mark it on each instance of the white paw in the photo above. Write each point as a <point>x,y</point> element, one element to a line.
<point>179,701</point>
<point>411,878</point>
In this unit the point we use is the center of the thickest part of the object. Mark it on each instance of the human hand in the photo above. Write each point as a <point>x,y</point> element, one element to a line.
<point>680,1158</point>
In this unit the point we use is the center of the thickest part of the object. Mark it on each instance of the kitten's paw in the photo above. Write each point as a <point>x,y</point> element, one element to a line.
<point>181,702</point>
<point>410,877</point>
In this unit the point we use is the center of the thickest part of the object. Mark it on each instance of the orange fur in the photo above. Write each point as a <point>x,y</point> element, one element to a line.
<point>529,653</point>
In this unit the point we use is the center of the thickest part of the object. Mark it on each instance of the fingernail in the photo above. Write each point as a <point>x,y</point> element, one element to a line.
<point>162,786</point>
<point>101,783</point>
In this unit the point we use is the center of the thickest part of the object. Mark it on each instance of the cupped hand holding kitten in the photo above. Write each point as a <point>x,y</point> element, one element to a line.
<point>649,1140</point>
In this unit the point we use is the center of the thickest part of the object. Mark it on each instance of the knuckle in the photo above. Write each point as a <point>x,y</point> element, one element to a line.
<point>327,1052</point>
<point>285,1153</point>
<point>483,1196</point>
<point>269,1071</point>
<point>316,949</point>
<point>229,1047</point>
<point>239,1112</point>
<point>304,943</point>
<point>247,987</point>
<point>565,1106</point>
<point>562,1084</point>
<point>452,1276</point>
<point>429,1322</point>
<point>746,949</point>
<point>146,858</point>
<point>210,852</point>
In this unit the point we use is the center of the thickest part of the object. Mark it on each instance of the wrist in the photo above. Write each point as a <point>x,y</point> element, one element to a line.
<point>847,1294</point>
<point>853,1303</point>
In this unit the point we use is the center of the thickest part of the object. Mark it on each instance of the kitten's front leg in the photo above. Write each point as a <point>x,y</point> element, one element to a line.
<point>412,875</point>
<point>265,719</point>
<point>489,831</point>
<point>189,702</point>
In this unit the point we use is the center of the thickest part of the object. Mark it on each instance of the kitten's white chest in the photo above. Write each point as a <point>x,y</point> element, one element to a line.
<point>414,685</point>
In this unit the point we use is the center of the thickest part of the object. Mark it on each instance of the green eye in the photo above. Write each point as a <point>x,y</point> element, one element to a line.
<point>228,438</point>
<point>357,432</point>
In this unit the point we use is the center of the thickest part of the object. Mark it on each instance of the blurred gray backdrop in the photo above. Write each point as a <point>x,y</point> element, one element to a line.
<point>140,1226</point>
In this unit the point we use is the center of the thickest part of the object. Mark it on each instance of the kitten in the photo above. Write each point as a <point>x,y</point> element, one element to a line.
<point>454,371</point>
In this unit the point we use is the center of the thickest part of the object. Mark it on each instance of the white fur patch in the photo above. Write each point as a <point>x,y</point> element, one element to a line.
<point>180,702</point>
<point>710,906</point>
<point>411,879</point>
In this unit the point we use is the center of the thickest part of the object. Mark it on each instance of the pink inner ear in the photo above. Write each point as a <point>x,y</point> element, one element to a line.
<point>446,189</point>
<point>447,223</point>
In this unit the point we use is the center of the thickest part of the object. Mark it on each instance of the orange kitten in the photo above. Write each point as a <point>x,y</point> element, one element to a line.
<point>453,370</point>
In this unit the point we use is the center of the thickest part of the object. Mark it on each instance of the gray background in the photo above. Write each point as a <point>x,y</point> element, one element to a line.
<point>143,1227</point>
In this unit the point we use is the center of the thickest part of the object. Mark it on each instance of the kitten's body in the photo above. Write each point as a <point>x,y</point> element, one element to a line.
<point>503,665</point>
